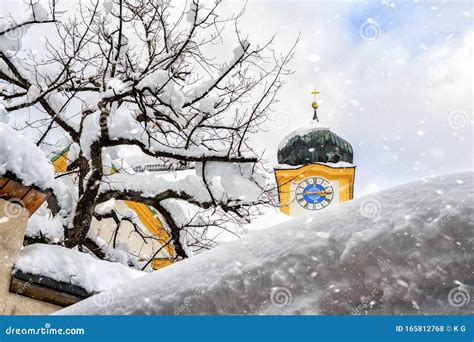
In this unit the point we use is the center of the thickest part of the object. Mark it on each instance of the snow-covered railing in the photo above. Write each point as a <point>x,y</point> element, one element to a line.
<point>158,167</point>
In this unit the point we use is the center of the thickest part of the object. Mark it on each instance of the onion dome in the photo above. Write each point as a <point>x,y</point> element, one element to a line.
<point>314,144</point>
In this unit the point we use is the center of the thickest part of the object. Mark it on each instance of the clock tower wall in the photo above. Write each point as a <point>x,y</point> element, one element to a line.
<point>340,178</point>
<point>315,169</point>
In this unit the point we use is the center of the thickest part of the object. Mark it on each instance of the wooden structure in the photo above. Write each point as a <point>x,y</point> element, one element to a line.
<point>46,289</point>
<point>29,197</point>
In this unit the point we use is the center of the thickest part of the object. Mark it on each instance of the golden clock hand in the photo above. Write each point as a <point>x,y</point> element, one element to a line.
<point>320,193</point>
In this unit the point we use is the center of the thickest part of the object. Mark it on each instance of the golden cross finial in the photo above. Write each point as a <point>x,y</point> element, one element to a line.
<point>315,105</point>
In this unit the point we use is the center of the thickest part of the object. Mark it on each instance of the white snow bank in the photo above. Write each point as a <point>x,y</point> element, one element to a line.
<point>77,268</point>
<point>398,251</point>
<point>24,159</point>
<point>51,229</point>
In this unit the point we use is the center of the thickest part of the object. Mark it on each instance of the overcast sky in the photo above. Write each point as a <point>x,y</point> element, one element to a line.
<point>395,80</point>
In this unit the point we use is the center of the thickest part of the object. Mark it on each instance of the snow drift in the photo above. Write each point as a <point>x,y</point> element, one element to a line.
<point>24,159</point>
<point>73,267</point>
<point>400,251</point>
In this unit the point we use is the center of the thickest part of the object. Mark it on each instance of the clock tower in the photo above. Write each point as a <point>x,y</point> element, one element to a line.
<point>314,170</point>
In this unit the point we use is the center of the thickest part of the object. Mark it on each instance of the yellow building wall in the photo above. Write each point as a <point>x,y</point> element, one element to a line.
<point>154,225</point>
<point>60,161</point>
<point>285,177</point>
<point>144,213</point>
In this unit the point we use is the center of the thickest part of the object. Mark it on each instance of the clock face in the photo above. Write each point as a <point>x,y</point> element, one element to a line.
<point>314,193</point>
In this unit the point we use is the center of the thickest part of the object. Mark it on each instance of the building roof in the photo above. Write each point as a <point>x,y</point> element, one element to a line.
<point>314,144</point>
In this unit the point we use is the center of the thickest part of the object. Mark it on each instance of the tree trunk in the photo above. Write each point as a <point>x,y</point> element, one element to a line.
<point>87,200</point>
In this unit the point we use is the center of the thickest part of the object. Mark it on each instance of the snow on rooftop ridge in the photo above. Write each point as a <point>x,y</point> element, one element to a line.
<point>24,159</point>
<point>313,125</point>
<point>77,268</point>
<point>327,262</point>
<point>338,165</point>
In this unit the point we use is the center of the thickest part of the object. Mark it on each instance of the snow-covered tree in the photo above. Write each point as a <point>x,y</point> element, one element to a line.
<point>143,73</point>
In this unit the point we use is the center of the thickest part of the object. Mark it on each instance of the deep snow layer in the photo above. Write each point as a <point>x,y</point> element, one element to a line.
<point>24,159</point>
<point>70,266</point>
<point>401,250</point>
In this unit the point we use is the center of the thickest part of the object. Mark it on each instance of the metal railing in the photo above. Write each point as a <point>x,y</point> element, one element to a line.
<point>159,167</point>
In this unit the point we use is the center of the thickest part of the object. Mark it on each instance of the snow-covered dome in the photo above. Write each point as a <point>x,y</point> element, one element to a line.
<point>314,143</point>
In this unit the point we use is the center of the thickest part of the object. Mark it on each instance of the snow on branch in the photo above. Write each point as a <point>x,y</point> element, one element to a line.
<point>138,74</point>
<point>231,184</point>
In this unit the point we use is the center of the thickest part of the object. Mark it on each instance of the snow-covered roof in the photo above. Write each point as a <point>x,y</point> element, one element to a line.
<point>338,165</point>
<point>312,126</point>
<point>397,251</point>
<point>24,159</point>
<point>77,268</point>
<point>314,143</point>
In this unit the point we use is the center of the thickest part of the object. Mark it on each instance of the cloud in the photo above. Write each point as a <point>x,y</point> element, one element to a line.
<point>392,97</point>
<point>414,76</point>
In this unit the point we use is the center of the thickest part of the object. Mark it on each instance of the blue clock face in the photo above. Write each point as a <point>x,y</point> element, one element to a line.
<point>314,193</point>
